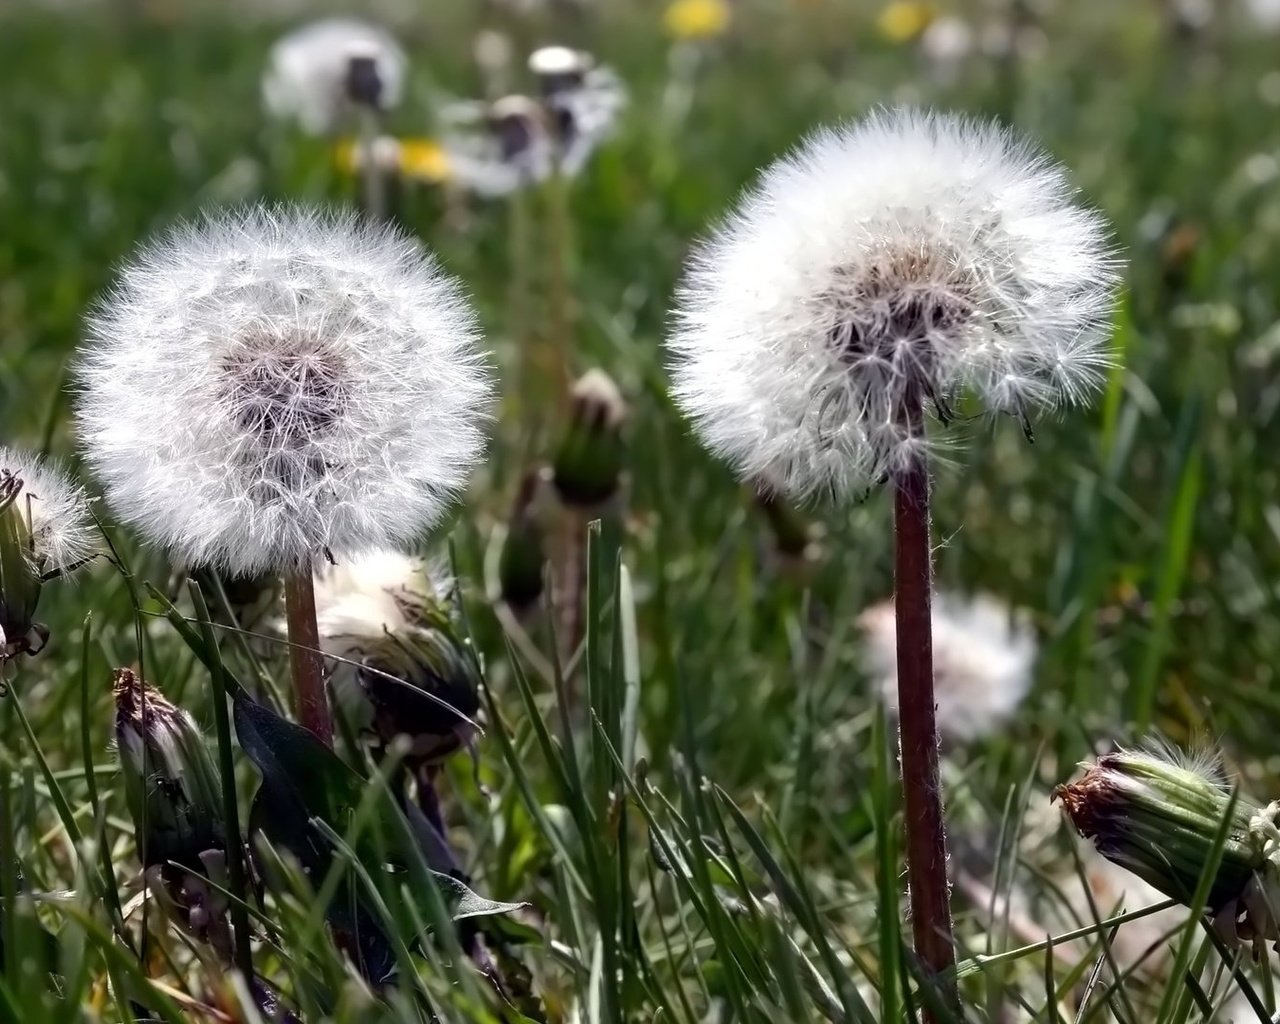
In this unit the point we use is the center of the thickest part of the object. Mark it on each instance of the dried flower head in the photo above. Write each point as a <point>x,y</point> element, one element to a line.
<point>320,72</point>
<point>982,654</point>
<point>404,666</point>
<point>1159,813</point>
<point>46,531</point>
<point>171,786</point>
<point>269,386</point>
<point>908,256</point>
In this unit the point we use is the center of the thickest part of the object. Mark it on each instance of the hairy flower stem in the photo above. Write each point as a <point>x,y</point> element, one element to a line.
<point>917,721</point>
<point>304,656</point>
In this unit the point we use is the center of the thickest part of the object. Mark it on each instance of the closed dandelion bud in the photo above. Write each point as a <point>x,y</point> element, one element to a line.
<point>1160,816</point>
<point>523,558</point>
<point>403,667</point>
<point>172,789</point>
<point>588,463</point>
<point>46,532</point>
<point>559,69</point>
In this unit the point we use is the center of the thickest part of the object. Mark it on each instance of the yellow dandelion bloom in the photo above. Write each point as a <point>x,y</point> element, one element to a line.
<point>346,156</point>
<point>904,20</point>
<point>696,19</point>
<point>424,160</point>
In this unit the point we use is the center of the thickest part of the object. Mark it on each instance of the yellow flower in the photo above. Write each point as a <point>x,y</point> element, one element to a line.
<point>423,160</point>
<point>696,19</point>
<point>904,20</point>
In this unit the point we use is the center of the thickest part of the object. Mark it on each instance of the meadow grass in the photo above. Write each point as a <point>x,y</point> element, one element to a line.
<point>712,833</point>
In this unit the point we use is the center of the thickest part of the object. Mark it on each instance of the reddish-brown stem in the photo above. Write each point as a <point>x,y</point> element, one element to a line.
<point>304,656</point>
<point>917,719</point>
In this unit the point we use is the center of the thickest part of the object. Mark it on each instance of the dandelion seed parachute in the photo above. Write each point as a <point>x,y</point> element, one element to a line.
<point>310,77</point>
<point>271,386</point>
<point>53,509</point>
<point>906,251</point>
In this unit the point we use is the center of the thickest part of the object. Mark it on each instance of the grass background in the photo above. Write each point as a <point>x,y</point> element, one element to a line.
<point>1144,535</point>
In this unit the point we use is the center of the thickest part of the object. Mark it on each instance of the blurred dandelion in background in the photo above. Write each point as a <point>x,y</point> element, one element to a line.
<point>321,73</point>
<point>983,655</point>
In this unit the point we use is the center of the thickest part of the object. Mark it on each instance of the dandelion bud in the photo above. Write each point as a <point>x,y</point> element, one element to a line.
<point>172,789</point>
<point>318,73</point>
<point>1159,816</point>
<point>46,532</point>
<point>523,559</point>
<point>589,461</point>
<point>272,387</point>
<point>405,668</point>
<point>559,69</point>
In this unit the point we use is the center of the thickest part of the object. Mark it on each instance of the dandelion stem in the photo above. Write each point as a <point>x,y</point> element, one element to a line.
<point>372,184</point>
<point>304,656</point>
<point>559,231</point>
<point>917,722</point>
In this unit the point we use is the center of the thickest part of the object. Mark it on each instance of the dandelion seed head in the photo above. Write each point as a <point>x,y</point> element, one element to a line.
<point>983,654</point>
<point>270,386</point>
<point>908,252</point>
<point>53,509</point>
<point>362,600</point>
<point>316,73</point>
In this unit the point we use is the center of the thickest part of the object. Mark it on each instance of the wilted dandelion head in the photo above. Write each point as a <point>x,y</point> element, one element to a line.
<point>57,529</point>
<point>983,655</point>
<point>270,386</point>
<point>909,256</point>
<point>319,72</point>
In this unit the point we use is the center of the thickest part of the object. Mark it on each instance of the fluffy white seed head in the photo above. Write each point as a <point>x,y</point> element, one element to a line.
<point>360,601</point>
<point>982,655</point>
<point>517,141</point>
<point>906,254</point>
<point>53,509</point>
<point>272,385</point>
<point>317,73</point>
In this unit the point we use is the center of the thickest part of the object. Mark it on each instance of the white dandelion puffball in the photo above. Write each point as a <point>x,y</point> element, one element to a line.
<point>907,256</point>
<point>361,601</point>
<point>54,512</point>
<point>271,386</point>
<point>318,72</point>
<point>982,657</point>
